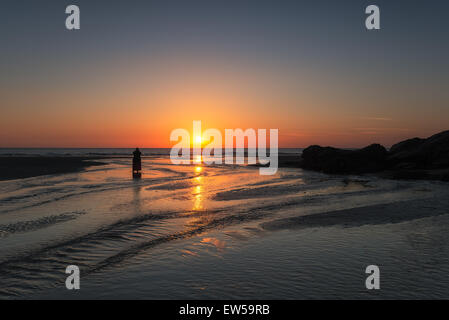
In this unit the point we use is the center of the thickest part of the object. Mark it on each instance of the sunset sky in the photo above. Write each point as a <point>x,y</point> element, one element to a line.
<point>139,69</point>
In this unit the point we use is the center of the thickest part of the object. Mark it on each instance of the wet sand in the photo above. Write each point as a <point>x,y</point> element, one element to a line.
<point>26,167</point>
<point>221,232</point>
<point>379,214</point>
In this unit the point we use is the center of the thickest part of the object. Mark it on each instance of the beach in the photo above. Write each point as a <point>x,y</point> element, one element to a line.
<point>14,167</point>
<point>221,232</point>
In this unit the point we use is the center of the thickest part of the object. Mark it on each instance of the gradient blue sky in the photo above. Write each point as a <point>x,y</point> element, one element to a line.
<point>138,69</point>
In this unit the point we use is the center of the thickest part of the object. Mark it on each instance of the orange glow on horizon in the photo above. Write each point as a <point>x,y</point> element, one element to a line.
<point>112,113</point>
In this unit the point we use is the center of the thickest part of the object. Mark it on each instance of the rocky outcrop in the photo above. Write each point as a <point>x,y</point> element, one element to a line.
<point>430,153</point>
<point>410,159</point>
<point>331,160</point>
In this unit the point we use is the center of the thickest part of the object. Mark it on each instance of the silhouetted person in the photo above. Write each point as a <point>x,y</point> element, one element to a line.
<point>137,164</point>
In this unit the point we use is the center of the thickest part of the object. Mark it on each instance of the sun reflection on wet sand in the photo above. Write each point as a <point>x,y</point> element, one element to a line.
<point>198,190</point>
<point>198,199</point>
<point>218,244</point>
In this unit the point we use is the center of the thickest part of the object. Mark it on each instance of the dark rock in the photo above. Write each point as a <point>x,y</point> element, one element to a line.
<point>430,153</point>
<point>410,159</point>
<point>332,160</point>
<point>406,145</point>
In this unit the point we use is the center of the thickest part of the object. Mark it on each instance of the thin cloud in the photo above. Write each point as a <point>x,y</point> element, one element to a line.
<point>376,118</point>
